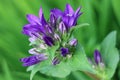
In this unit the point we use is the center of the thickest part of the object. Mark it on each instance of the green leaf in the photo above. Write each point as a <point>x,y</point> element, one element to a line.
<point>51,50</point>
<point>35,68</point>
<point>74,28</point>
<point>79,75</point>
<point>110,54</point>
<point>6,70</point>
<point>61,70</point>
<point>116,8</point>
<point>77,62</point>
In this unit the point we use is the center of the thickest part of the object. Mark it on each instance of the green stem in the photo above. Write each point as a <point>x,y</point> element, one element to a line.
<point>93,76</point>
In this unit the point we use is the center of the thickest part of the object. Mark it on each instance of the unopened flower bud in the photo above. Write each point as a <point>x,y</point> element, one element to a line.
<point>33,51</point>
<point>55,61</point>
<point>62,27</point>
<point>57,37</point>
<point>73,42</point>
<point>64,51</point>
<point>97,57</point>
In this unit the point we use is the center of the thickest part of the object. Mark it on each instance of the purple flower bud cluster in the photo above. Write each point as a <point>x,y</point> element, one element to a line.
<point>97,57</point>
<point>44,34</point>
<point>98,61</point>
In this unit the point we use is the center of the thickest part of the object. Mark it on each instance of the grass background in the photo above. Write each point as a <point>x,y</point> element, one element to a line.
<point>102,15</point>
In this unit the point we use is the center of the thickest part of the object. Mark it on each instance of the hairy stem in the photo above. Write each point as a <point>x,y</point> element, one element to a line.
<point>93,76</point>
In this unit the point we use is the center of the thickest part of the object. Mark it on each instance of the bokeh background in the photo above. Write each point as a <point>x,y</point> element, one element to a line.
<point>102,15</point>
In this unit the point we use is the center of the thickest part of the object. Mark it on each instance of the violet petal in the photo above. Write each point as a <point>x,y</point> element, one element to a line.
<point>64,51</point>
<point>69,9</point>
<point>97,57</point>
<point>33,19</point>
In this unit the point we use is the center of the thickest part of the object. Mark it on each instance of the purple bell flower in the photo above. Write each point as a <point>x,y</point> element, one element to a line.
<point>35,20</point>
<point>64,51</point>
<point>97,57</point>
<point>69,16</point>
<point>41,17</point>
<point>29,29</point>
<point>57,13</point>
<point>32,60</point>
<point>43,34</point>
<point>36,24</point>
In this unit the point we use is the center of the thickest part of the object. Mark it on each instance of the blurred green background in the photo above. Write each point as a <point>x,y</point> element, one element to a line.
<point>102,15</point>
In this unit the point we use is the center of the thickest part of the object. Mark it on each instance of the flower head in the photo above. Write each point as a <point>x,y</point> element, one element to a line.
<point>45,34</point>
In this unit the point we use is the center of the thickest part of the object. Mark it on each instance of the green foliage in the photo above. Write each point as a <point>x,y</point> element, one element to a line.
<point>79,26</point>
<point>110,54</point>
<point>51,50</point>
<point>77,62</point>
<point>115,4</point>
